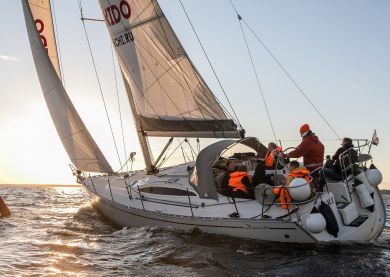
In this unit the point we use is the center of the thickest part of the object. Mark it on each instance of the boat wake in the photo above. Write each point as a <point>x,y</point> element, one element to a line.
<point>74,239</point>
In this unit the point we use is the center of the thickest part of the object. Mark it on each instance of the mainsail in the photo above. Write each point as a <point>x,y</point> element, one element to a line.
<point>79,144</point>
<point>168,95</point>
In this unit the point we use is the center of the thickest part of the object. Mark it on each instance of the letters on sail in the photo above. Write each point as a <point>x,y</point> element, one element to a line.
<point>41,11</point>
<point>168,94</point>
<point>79,144</point>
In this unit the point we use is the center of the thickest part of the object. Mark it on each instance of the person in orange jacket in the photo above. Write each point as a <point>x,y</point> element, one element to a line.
<point>311,149</point>
<point>296,171</point>
<point>240,184</point>
<point>272,153</point>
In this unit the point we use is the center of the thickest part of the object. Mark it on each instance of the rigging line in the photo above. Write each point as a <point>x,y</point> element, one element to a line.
<point>125,164</point>
<point>208,59</point>
<point>199,78</point>
<point>98,81</point>
<point>178,64</point>
<point>184,152</point>
<point>57,38</point>
<point>158,81</point>
<point>201,82</point>
<point>155,65</point>
<point>173,152</point>
<point>293,81</point>
<point>285,71</point>
<point>163,89</point>
<point>129,71</point>
<point>256,74</point>
<point>167,71</point>
<point>171,66</point>
<point>184,156</point>
<point>138,84</point>
<point>119,106</point>
<point>173,52</point>
<point>192,150</point>
<point>165,156</point>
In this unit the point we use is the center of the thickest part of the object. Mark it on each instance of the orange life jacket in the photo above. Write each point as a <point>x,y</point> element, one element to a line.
<point>284,196</point>
<point>235,181</point>
<point>269,159</point>
<point>298,173</point>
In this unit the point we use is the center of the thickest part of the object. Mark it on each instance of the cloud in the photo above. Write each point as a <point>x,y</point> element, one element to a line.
<point>8,58</point>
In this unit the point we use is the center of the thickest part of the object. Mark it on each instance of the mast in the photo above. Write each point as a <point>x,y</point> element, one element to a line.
<point>143,140</point>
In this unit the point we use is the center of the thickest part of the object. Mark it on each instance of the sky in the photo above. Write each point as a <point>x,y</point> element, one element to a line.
<point>337,51</point>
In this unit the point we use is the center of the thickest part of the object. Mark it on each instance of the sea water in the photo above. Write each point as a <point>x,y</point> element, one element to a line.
<point>56,232</point>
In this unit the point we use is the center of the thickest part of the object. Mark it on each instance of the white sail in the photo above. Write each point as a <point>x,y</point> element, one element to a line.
<point>41,11</point>
<point>169,95</point>
<point>79,144</point>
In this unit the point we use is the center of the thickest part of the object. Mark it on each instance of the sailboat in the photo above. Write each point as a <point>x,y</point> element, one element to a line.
<point>169,98</point>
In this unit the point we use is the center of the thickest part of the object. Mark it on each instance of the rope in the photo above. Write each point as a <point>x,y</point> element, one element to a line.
<point>191,150</point>
<point>174,150</point>
<point>165,156</point>
<point>119,106</point>
<point>284,70</point>
<point>184,156</point>
<point>98,81</point>
<point>256,74</point>
<point>212,68</point>
<point>57,38</point>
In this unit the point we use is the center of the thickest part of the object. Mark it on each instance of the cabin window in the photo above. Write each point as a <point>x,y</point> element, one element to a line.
<point>167,191</point>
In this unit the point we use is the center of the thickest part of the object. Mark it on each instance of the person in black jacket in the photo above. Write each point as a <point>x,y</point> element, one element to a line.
<point>333,168</point>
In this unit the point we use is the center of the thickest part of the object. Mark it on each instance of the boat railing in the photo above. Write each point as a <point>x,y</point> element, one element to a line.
<point>347,167</point>
<point>361,143</point>
<point>134,192</point>
<point>265,195</point>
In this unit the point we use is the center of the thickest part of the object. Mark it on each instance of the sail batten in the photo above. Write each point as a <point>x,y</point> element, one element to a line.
<point>167,91</point>
<point>77,141</point>
<point>140,23</point>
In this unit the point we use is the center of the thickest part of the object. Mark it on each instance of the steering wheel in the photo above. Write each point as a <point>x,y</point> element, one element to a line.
<point>289,148</point>
<point>284,160</point>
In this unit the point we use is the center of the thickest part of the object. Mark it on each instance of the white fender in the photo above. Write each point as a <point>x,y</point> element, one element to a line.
<point>374,177</point>
<point>362,178</point>
<point>315,223</point>
<point>299,189</point>
<point>364,195</point>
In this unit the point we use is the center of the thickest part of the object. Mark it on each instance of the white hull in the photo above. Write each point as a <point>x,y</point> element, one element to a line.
<point>110,197</point>
<point>243,228</point>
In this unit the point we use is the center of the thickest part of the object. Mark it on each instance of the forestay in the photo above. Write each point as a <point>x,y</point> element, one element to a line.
<point>79,144</point>
<point>167,93</point>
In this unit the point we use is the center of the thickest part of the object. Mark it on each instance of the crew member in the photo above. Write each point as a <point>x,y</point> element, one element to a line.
<point>240,184</point>
<point>272,154</point>
<point>333,168</point>
<point>297,171</point>
<point>311,149</point>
